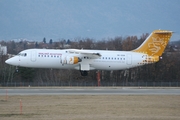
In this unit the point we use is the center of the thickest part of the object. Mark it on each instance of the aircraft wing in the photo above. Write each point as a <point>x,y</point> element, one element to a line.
<point>85,52</point>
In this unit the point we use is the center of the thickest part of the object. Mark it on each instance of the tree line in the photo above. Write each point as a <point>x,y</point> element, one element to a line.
<point>166,70</point>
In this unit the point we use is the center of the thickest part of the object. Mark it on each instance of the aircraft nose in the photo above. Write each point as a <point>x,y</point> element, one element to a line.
<point>11,61</point>
<point>8,61</point>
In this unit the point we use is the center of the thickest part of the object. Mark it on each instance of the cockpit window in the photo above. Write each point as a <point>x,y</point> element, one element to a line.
<point>22,54</point>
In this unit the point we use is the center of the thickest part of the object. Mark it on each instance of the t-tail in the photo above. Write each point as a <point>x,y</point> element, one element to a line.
<point>155,44</point>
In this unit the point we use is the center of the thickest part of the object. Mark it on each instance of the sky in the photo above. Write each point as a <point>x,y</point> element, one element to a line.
<point>95,19</point>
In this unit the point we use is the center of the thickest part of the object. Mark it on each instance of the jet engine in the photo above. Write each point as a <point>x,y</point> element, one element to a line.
<point>70,60</point>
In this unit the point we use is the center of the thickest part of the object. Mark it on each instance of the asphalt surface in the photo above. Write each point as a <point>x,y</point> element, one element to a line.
<point>89,91</point>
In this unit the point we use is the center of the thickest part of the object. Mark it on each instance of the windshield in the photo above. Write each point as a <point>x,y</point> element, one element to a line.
<point>22,54</point>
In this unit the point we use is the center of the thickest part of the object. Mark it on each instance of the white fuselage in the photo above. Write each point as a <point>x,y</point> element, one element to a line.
<point>51,58</point>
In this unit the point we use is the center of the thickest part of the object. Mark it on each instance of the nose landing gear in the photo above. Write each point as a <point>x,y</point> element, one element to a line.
<point>17,70</point>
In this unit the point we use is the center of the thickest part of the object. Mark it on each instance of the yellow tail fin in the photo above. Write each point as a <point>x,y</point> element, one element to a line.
<point>155,44</point>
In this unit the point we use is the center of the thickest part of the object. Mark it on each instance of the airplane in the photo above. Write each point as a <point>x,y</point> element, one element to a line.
<point>150,51</point>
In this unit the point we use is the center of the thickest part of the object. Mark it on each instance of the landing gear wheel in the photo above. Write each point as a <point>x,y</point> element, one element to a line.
<point>17,70</point>
<point>84,73</point>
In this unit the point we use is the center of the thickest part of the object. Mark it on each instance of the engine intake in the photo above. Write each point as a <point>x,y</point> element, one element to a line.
<point>70,60</point>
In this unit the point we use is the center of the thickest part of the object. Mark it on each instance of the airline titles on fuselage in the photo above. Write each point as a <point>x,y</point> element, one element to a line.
<point>49,54</point>
<point>120,57</point>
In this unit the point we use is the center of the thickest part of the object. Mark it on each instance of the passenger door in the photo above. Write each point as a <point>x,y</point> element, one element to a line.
<point>129,59</point>
<point>33,56</point>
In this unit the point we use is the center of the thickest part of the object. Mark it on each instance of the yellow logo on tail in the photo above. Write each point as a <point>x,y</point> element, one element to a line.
<point>155,44</point>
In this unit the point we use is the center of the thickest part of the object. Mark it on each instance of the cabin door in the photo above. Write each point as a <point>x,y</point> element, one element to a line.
<point>33,56</point>
<point>129,59</point>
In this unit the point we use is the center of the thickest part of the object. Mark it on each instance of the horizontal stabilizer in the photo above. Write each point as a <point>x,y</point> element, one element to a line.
<point>163,32</point>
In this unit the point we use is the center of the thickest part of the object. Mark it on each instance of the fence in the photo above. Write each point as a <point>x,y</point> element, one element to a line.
<point>92,84</point>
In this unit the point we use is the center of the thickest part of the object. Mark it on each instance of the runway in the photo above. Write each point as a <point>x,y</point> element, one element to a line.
<point>89,91</point>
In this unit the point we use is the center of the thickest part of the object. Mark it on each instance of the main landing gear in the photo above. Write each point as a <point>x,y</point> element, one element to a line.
<point>84,73</point>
